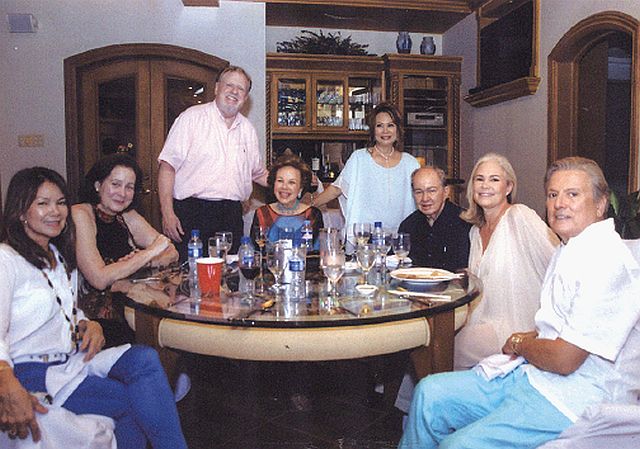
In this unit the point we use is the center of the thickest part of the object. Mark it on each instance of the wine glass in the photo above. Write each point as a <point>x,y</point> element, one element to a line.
<point>401,247</point>
<point>362,233</point>
<point>227,242</point>
<point>216,247</point>
<point>250,267</point>
<point>383,245</point>
<point>260,232</point>
<point>276,262</point>
<point>332,263</point>
<point>366,257</point>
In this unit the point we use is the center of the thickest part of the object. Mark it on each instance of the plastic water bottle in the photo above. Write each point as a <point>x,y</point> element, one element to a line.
<point>377,234</point>
<point>307,235</point>
<point>245,252</point>
<point>297,269</point>
<point>194,249</point>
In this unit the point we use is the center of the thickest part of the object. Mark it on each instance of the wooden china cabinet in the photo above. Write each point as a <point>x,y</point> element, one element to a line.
<point>321,99</point>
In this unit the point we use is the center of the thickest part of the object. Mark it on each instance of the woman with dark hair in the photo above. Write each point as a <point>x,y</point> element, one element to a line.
<point>113,239</point>
<point>375,184</point>
<point>289,178</point>
<point>49,349</point>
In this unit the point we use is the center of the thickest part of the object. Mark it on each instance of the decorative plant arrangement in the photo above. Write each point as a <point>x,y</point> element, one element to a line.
<point>322,44</point>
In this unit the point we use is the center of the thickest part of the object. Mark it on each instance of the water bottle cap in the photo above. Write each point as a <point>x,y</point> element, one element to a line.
<point>195,233</point>
<point>377,224</point>
<point>245,239</point>
<point>307,222</point>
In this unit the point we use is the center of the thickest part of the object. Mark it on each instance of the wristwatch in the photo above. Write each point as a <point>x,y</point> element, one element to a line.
<point>516,341</point>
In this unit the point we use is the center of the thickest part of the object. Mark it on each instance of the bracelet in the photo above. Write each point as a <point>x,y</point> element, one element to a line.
<point>516,341</point>
<point>313,200</point>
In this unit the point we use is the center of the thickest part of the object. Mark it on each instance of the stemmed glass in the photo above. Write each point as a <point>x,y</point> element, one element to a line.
<point>383,245</point>
<point>332,263</point>
<point>260,232</point>
<point>250,267</point>
<point>276,262</point>
<point>216,247</point>
<point>226,241</point>
<point>401,247</point>
<point>366,257</point>
<point>362,233</point>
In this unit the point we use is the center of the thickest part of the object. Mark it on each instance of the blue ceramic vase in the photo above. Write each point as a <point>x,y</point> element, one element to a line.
<point>403,42</point>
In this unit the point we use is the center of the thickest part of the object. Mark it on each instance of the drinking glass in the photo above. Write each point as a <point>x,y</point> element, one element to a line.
<point>332,263</point>
<point>260,232</point>
<point>276,262</point>
<point>250,267</point>
<point>366,257</point>
<point>401,247</point>
<point>362,233</point>
<point>216,247</point>
<point>227,242</point>
<point>383,245</point>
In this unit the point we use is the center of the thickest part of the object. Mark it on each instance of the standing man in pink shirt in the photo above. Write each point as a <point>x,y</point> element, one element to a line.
<point>208,163</point>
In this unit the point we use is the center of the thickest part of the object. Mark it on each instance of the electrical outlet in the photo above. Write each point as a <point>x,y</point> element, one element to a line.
<point>31,140</point>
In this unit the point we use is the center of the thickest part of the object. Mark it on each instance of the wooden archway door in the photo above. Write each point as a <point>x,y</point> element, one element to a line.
<point>564,85</point>
<point>125,98</point>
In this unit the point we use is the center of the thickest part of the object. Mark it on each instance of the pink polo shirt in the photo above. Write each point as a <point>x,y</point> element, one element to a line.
<point>213,162</point>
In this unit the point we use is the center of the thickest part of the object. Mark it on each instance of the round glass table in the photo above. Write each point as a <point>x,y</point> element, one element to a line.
<point>397,317</point>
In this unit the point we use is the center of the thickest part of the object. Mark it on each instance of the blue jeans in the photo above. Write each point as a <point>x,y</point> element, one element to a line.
<point>136,394</point>
<point>461,410</point>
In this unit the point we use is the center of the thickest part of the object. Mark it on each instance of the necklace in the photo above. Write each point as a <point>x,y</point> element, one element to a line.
<point>73,325</point>
<point>386,157</point>
<point>288,210</point>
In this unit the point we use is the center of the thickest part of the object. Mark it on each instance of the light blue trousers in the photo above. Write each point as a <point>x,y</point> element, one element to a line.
<point>461,410</point>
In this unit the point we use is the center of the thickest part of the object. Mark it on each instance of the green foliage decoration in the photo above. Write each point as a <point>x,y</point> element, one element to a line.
<point>322,44</point>
<point>626,214</point>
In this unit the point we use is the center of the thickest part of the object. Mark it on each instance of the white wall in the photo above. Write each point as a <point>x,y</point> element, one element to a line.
<point>31,65</point>
<point>518,128</point>
<point>380,42</point>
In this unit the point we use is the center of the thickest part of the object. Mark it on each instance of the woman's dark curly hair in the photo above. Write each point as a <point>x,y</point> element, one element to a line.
<point>102,169</point>
<point>395,117</point>
<point>22,192</point>
<point>291,160</point>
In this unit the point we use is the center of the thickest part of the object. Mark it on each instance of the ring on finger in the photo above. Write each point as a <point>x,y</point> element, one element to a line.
<point>12,433</point>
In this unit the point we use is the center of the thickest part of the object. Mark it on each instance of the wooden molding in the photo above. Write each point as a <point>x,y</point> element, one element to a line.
<point>211,3</point>
<point>563,64</point>
<point>504,92</point>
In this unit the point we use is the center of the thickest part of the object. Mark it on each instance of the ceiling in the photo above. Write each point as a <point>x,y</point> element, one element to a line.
<point>418,16</point>
<point>424,16</point>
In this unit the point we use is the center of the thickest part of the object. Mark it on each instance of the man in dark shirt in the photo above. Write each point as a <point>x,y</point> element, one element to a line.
<point>439,237</point>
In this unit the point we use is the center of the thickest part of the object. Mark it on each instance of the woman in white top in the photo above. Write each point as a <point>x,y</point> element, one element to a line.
<point>375,184</point>
<point>510,250</point>
<point>48,347</point>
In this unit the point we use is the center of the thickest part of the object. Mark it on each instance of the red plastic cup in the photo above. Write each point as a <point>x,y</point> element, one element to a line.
<point>209,275</point>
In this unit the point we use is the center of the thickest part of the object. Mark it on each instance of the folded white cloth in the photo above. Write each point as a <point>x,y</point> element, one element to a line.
<point>497,365</point>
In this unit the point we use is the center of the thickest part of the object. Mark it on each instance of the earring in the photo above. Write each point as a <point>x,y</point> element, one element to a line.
<point>300,194</point>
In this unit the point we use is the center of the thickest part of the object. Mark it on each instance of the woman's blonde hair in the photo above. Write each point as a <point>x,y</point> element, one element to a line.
<point>474,214</point>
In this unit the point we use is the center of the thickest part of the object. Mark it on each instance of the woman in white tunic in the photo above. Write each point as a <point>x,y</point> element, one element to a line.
<point>49,349</point>
<point>510,250</point>
<point>375,184</point>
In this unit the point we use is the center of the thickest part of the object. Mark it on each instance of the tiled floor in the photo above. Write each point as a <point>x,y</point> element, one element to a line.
<point>244,405</point>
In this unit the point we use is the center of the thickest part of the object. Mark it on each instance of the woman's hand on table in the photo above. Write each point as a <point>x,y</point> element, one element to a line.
<point>17,408</point>
<point>92,338</point>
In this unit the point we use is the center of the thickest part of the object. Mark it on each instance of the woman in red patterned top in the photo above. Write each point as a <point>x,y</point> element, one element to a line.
<point>289,178</point>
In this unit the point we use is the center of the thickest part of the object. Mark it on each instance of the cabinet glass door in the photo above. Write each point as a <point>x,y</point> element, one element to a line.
<point>329,96</point>
<point>425,105</point>
<point>292,103</point>
<point>364,94</point>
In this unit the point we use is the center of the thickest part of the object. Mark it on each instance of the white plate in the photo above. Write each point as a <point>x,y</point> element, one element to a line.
<point>392,261</point>
<point>423,275</point>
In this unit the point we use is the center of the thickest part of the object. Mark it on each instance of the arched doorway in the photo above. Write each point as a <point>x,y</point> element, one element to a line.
<point>125,98</point>
<point>582,120</point>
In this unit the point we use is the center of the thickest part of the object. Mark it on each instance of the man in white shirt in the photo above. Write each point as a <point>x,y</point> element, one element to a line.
<point>208,163</point>
<point>582,352</point>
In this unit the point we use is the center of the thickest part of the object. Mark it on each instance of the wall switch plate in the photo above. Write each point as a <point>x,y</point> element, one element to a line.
<point>31,140</point>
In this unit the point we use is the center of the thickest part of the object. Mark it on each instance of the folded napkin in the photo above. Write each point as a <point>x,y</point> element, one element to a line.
<point>497,365</point>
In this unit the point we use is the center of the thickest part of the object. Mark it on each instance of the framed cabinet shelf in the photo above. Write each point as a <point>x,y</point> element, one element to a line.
<point>318,102</point>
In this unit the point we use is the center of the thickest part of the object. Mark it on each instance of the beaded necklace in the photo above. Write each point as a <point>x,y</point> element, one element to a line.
<point>288,210</point>
<point>73,325</point>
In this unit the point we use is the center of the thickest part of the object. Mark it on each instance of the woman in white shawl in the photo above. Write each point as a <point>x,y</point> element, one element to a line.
<point>510,250</point>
